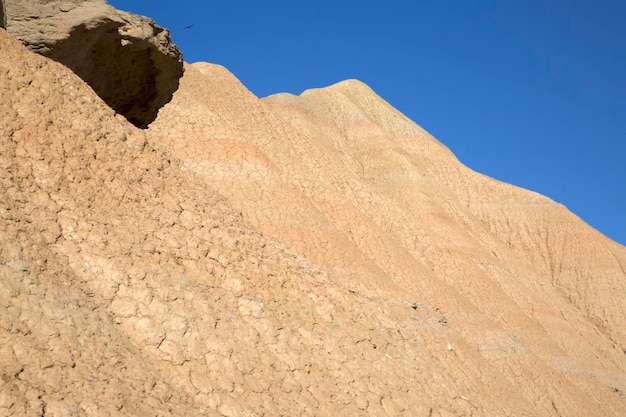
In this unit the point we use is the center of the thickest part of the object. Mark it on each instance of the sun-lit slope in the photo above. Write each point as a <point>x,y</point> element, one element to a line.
<point>131,288</point>
<point>462,240</point>
<point>583,265</point>
<point>312,255</point>
<point>346,181</point>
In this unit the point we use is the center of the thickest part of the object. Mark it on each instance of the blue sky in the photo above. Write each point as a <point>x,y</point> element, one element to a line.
<point>529,92</point>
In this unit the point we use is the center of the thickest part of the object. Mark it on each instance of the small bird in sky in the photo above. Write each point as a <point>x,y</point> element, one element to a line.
<point>188,27</point>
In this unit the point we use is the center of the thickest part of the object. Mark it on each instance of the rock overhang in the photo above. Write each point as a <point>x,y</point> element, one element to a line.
<point>128,60</point>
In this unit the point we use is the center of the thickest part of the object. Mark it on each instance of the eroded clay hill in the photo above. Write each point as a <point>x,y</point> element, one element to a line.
<point>315,255</point>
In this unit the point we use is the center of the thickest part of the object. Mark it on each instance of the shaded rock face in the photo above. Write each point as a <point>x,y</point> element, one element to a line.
<point>3,22</point>
<point>129,61</point>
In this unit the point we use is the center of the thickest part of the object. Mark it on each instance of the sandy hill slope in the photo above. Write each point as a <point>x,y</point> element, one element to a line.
<point>312,255</point>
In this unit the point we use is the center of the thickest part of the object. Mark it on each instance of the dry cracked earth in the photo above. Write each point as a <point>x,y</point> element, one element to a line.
<point>311,255</point>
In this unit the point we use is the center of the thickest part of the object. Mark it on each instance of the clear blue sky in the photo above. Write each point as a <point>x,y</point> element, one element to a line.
<point>529,92</point>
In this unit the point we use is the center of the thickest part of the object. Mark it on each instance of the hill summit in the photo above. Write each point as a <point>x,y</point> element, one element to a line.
<point>304,255</point>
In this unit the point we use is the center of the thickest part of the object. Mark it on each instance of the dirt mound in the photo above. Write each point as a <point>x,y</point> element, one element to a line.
<point>311,255</point>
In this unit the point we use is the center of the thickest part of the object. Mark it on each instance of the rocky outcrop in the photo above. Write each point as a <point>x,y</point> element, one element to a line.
<point>129,61</point>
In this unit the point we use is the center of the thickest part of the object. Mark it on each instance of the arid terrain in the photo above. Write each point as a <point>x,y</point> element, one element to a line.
<point>312,255</point>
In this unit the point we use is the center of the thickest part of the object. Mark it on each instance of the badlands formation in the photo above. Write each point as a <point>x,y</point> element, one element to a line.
<point>312,255</point>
